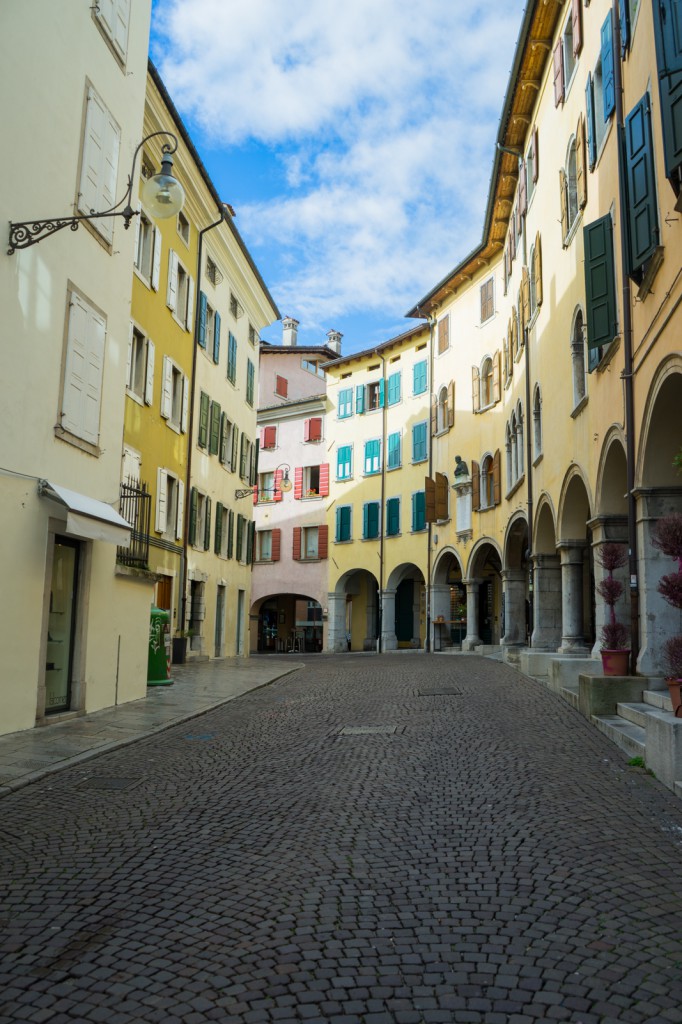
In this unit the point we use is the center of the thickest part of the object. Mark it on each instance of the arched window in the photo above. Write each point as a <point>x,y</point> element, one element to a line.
<point>537,422</point>
<point>508,448</point>
<point>519,437</point>
<point>533,285</point>
<point>487,382</point>
<point>578,358</point>
<point>514,448</point>
<point>515,333</point>
<point>571,184</point>
<point>487,482</point>
<point>442,411</point>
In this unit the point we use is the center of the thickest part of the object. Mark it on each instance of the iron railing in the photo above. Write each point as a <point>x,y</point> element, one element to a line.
<point>136,508</point>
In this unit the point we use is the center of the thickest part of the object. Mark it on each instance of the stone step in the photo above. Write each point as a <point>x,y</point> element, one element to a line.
<point>635,712</point>
<point>630,738</point>
<point>658,699</point>
<point>571,693</point>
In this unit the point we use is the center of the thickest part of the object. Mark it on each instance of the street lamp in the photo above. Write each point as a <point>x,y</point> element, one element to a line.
<point>284,484</point>
<point>162,194</point>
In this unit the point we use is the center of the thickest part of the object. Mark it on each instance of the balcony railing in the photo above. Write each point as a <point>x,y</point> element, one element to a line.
<point>136,508</point>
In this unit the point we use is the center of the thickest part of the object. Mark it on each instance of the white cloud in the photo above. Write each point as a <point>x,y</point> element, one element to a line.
<point>383,116</point>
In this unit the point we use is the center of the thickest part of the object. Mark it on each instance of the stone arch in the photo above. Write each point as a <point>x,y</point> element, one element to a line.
<point>658,443</point>
<point>544,531</point>
<point>612,481</point>
<point>575,549</point>
<point>545,599</point>
<point>515,582</point>
<point>282,622</point>
<point>484,595</point>
<point>448,600</point>
<point>574,505</point>
<point>403,620</point>
<point>354,612</point>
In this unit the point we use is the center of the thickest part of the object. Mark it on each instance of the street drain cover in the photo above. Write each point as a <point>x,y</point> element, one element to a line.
<point>109,782</point>
<point>439,691</point>
<point>368,730</point>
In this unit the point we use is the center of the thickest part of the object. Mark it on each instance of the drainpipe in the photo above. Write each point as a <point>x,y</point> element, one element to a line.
<point>627,350</point>
<point>190,424</point>
<point>382,516</point>
<point>529,453</point>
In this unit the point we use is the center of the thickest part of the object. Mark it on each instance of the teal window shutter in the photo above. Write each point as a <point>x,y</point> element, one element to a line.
<point>607,70</point>
<point>640,185</point>
<point>624,28</point>
<point>600,282</point>
<point>202,439</point>
<point>250,378</point>
<point>216,338</point>
<point>365,521</point>
<point>214,439</point>
<point>589,123</point>
<point>419,378</point>
<point>202,319</point>
<point>231,358</point>
<point>343,523</point>
<point>393,451</point>
<point>372,456</point>
<point>668,34</point>
<point>345,403</point>
<point>360,399</point>
<point>393,517</point>
<point>343,457</point>
<point>419,452</point>
<point>394,388</point>
<point>382,384</point>
<point>370,520</point>
<point>418,511</point>
<point>223,438</point>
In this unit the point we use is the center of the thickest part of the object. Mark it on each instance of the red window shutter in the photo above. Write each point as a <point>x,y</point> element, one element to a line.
<point>306,430</point>
<point>558,73</point>
<point>497,478</point>
<point>315,429</point>
<point>298,482</point>
<point>278,485</point>
<point>276,544</point>
<point>475,485</point>
<point>324,479</point>
<point>576,15</point>
<point>296,553</point>
<point>268,437</point>
<point>322,541</point>
<point>281,386</point>
<point>255,495</point>
<point>262,437</point>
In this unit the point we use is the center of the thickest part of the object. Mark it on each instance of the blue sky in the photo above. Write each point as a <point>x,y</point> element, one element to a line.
<point>355,141</point>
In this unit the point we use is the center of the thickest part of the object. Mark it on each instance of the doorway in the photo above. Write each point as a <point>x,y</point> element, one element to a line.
<point>220,622</point>
<point>240,624</point>
<point>404,612</point>
<point>61,627</point>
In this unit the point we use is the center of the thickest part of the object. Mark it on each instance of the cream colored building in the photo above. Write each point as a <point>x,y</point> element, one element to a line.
<point>74,625</point>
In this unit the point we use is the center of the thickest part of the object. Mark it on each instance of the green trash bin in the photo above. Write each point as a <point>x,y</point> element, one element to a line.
<point>159,662</point>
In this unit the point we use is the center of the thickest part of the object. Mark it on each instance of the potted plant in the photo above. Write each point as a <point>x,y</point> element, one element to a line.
<point>668,537</point>
<point>615,651</point>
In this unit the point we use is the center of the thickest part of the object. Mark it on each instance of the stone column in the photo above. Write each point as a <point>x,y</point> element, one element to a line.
<point>336,624</point>
<point>472,639</point>
<point>416,614</point>
<point>572,635</point>
<point>546,634</point>
<point>370,641</point>
<point>514,625</point>
<point>658,619</point>
<point>389,641</point>
<point>604,529</point>
<point>440,609</point>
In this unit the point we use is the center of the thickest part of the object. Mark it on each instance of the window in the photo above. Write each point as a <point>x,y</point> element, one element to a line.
<point>600,284</point>
<point>669,58</point>
<point>113,17</point>
<point>344,456</point>
<point>204,417</point>
<point>209,327</point>
<point>516,334</point>
<point>345,403</point>
<point>253,337</point>
<point>370,520</point>
<point>281,386</point>
<point>419,377</point>
<point>312,429</point>
<point>442,410</point>
<point>537,422</point>
<point>578,358</point>
<point>212,272</point>
<point>532,164</point>
<point>569,203</point>
<point>170,498</point>
<point>372,462</point>
<point>180,296</point>
<point>250,382</point>
<point>228,434</point>
<point>519,441</point>
<point>309,542</point>
<point>343,523</point>
<point>510,456</point>
<point>418,511</point>
<point>394,458</point>
<point>231,358</point>
<point>640,173</point>
<point>419,443</point>
<point>566,50</point>
<point>375,395</point>
<point>99,165</point>
<point>199,520</point>
<point>83,368</point>
<point>222,531</point>
<point>487,479</point>
<point>244,540</point>
<point>443,334</point>
<point>236,308</point>
<point>266,486</point>
<point>246,460</point>
<point>140,369</point>
<point>394,388</point>
<point>487,383</point>
<point>311,481</point>
<point>183,227</point>
<point>214,429</point>
<point>607,68</point>
<point>264,546</point>
<point>487,299</point>
<point>148,250</point>
<point>312,366</point>
<point>393,517</point>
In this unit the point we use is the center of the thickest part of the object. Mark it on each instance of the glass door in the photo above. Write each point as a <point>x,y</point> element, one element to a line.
<point>61,625</point>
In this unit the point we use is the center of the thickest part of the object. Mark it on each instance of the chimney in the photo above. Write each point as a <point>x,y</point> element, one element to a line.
<point>334,341</point>
<point>289,331</point>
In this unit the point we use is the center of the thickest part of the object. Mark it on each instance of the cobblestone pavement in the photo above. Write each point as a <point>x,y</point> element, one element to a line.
<point>378,840</point>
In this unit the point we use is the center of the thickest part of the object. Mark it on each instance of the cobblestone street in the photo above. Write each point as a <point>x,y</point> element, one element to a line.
<point>370,840</point>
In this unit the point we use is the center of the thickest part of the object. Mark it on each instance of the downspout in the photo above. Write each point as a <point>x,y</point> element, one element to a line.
<point>627,352</point>
<point>427,639</point>
<point>382,515</point>
<point>529,453</point>
<point>190,423</point>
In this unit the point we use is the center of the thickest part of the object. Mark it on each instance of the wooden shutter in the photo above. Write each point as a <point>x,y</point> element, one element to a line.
<point>577,25</point>
<point>256,495</point>
<point>306,430</point>
<point>193,509</point>
<point>497,376</point>
<point>497,478</point>
<point>525,295</point>
<point>207,524</point>
<point>218,536</point>
<point>269,437</point>
<point>230,533</point>
<point>475,486</point>
<point>202,438</point>
<point>535,151</point>
<point>278,485</point>
<point>434,414</point>
<point>185,402</point>
<point>149,374</point>
<point>360,398</point>
<point>161,500</point>
<point>589,125</point>
<point>640,185</point>
<point>298,482</point>
<point>600,285</point>
<point>181,510</point>
<point>624,28</point>
<point>381,393</point>
<point>324,479</point>
<point>172,289</point>
<point>563,195</point>
<point>156,261</point>
<point>451,404</point>
<point>322,541</point>
<point>523,191</point>
<point>314,429</point>
<point>240,538</point>
<point>558,73</point>
<point>441,497</point>
<point>281,386</point>
<point>216,338</point>
<point>429,500</point>
<point>581,176</point>
<point>668,34</point>
<point>235,448</point>
<point>203,312</point>
<point>607,67</point>
<point>242,456</point>
<point>190,304</point>
<point>537,269</point>
<point>444,333</point>
<point>276,544</point>
<point>83,370</point>
<point>296,548</point>
<point>214,440</point>
<point>99,166</point>
<point>476,388</point>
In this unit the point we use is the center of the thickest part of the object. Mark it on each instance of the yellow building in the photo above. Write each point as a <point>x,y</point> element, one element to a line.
<point>198,305</point>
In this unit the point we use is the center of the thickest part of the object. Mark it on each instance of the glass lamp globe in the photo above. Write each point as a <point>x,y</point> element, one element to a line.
<point>285,483</point>
<point>162,194</point>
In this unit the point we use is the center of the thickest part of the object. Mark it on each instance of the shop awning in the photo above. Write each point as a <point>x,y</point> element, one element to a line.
<point>87,517</point>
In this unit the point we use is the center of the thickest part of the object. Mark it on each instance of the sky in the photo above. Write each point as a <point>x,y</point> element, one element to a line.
<point>354,140</point>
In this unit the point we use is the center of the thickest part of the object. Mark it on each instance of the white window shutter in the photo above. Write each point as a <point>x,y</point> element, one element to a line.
<point>105,13</point>
<point>167,388</point>
<point>156,264</point>
<point>190,304</point>
<point>120,26</point>
<point>136,250</point>
<point>132,464</point>
<point>161,500</point>
<point>185,402</point>
<point>83,371</point>
<point>129,360</point>
<point>172,294</point>
<point>100,163</point>
<point>149,377</point>
<point>181,510</point>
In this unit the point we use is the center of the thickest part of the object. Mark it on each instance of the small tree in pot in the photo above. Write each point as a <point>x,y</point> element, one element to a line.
<point>615,652</point>
<point>668,538</point>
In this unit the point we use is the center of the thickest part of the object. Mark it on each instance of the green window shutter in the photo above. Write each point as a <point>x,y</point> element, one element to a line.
<point>589,123</point>
<point>193,508</point>
<point>216,338</point>
<point>214,439</point>
<point>640,185</point>
<point>230,533</point>
<point>218,541</point>
<point>600,284</point>
<point>607,69</point>
<point>250,528</point>
<point>240,537</point>
<point>343,523</point>
<point>393,517</point>
<point>242,457</point>
<point>235,448</point>
<point>207,525</point>
<point>418,511</point>
<point>365,521</point>
<point>202,319</point>
<point>360,399</point>
<point>231,358</point>
<point>204,405</point>
<point>668,34</point>
<point>373,519</point>
<point>223,438</point>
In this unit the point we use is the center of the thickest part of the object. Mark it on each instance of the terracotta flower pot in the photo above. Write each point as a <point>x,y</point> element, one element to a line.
<point>616,663</point>
<point>675,690</point>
